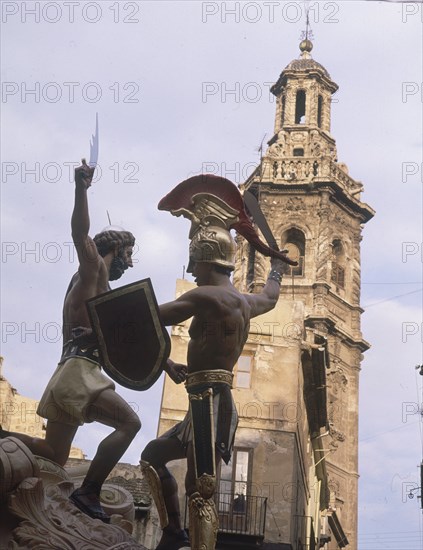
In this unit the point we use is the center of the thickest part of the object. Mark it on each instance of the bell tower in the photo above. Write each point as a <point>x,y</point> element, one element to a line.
<point>304,92</point>
<point>314,209</point>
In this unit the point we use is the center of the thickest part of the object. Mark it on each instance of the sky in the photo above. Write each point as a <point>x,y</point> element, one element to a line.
<point>181,88</point>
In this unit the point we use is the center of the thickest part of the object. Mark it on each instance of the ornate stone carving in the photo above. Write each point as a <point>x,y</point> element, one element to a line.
<point>53,522</point>
<point>51,473</point>
<point>299,169</point>
<point>241,263</point>
<point>334,486</point>
<point>275,150</point>
<point>316,149</point>
<point>338,381</point>
<point>334,489</point>
<point>337,435</point>
<point>295,204</point>
<point>48,520</point>
<point>322,258</point>
<point>117,500</point>
<point>342,220</point>
<point>16,463</point>
<point>355,285</point>
<point>324,248</point>
<point>298,137</point>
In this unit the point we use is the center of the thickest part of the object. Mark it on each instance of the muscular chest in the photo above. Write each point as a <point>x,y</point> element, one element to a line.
<point>217,329</point>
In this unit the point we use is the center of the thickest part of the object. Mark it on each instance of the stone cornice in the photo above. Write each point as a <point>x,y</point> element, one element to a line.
<point>317,72</point>
<point>338,194</point>
<point>333,328</point>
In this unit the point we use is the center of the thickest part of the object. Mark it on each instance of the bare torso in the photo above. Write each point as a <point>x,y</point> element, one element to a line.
<point>218,333</point>
<point>74,309</point>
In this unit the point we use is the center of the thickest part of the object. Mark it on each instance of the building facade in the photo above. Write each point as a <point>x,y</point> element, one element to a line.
<point>292,481</point>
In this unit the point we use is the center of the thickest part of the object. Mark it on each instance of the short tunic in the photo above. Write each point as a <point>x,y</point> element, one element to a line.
<point>74,386</point>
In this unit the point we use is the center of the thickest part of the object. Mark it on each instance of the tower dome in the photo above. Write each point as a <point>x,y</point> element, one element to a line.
<point>306,66</point>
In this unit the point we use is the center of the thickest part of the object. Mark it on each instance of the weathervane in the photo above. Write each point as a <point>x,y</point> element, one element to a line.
<point>260,152</point>
<point>259,149</point>
<point>308,33</point>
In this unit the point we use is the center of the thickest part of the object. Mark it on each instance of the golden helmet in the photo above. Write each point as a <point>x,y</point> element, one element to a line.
<point>214,245</point>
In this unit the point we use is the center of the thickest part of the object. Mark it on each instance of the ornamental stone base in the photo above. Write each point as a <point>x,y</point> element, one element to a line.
<point>35,511</point>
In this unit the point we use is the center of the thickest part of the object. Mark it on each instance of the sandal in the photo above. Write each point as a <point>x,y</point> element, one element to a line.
<point>92,508</point>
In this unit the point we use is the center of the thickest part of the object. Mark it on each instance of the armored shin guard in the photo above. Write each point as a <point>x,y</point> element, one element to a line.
<point>155,485</point>
<point>203,522</point>
<point>203,518</point>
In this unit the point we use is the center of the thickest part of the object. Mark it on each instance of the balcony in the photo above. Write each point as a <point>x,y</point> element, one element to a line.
<point>294,170</point>
<point>242,520</point>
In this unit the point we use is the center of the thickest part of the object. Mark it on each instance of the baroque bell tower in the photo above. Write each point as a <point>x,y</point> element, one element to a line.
<point>314,209</point>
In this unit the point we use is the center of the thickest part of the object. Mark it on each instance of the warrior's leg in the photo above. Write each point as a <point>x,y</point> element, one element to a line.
<point>164,489</point>
<point>200,481</point>
<point>109,409</point>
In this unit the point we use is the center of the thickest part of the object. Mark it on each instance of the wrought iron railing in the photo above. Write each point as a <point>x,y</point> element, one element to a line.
<point>240,514</point>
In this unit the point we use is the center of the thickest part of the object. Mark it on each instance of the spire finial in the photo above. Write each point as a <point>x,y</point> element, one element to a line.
<point>306,45</point>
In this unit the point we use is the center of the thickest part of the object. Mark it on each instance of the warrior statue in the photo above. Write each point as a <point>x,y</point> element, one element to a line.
<point>219,329</point>
<point>78,391</point>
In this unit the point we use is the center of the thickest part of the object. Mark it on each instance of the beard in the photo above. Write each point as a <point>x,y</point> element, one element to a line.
<point>117,268</point>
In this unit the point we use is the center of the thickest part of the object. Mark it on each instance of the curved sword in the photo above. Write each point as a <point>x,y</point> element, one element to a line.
<point>258,216</point>
<point>255,211</point>
<point>94,146</point>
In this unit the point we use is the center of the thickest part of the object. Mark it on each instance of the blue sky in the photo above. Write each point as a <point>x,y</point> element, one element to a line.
<point>184,86</point>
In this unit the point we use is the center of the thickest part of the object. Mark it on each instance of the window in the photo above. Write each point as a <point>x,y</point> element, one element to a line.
<point>293,240</point>
<point>319,111</point>
<point>338,276</point>
<point>298,152</point>
<point>243,371</point>
<point>338,264</point>
<point>283,111</point>
<point>233,499</point>
<point>235,477</point>
<point>300,107</point>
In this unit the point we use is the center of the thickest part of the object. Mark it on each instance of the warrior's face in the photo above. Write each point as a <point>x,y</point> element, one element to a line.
<point>120,263</point>
<point>201,271</point>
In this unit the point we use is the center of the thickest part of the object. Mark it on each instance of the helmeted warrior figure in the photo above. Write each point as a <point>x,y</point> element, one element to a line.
<point>218,332</point>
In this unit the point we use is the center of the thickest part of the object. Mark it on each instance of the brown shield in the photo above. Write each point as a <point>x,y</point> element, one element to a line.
<point>132,339</point>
